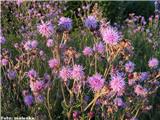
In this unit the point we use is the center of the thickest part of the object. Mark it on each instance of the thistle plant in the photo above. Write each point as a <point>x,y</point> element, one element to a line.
<point>56,71</point>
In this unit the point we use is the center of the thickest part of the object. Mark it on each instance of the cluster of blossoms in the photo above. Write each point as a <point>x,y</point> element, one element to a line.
<point>29,45</point>
<point>109,92</point>
<point>65,73</point>
<point>37,87</point>
<point>98,47</point>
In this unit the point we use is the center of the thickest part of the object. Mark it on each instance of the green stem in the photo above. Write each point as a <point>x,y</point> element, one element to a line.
<point>48,104</point>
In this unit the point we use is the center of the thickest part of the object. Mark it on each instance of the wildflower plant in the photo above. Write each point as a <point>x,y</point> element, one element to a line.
<point>55,71</point>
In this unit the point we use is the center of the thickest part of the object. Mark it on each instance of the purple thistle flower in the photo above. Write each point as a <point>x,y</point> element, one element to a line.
<point>4,62</point>
<point>118,102</point>
<point>50,43</point>
<point>140,91</point>
<point>34,44</point>
<point>153,63</point>
<point>2,40</point>
<point>133,118</point>
<point>110,35</point>
<point>46,29</point>
<point>65,23</point>
<point>99,47</point>
<point>129,66</point>
<point>77,72</point>
<point>53,63</point>
<point>96,82</point>
<point>37,86</point>
<point>11,74</point>
<point>117,84</point>
<point>32,74</point>
<point>39,99</point>
<point>144,76</point>
<point>88,51</point>
<point>65,73</point>
<point>28,45</point>
<point>19,2</point>
<point>28,100</point>
<point>91,22</point>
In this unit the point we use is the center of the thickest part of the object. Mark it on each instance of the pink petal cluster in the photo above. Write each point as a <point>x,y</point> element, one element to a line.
<point>96,82</point>
<point>4,62</point>
<point>153,63</point>
<point>117,84</point>
<point>65,73</point>
<point>46,29</point>
<point>77,72</point>
<point>140,91</point>
<point>110,35</point>
<point>88,51</point>
<point>32,74</point>
<point>36,86</point>
<point>53,63</point>
<point>29,45</point>
<point>129,66</point>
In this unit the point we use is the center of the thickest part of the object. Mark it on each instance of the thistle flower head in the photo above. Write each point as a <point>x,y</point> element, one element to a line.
<point>50,43</point>
<point>96,82</point>
<point>11,74</point>
<point>39,99</point>
<point>91,22</point>
<point>99,47</point>
<point>3,62</point>
<point>65,23</point>
<point>45,29</point>
<point>153,63</point>
<point>118,102</point>
<point>143,76</point>
<point>36,86</point>
<point>34,44</point>
<point>32,74</point>
<point>77,72</point>
<point>2,40</point>
<point>28,100</point>
<point>65,73</point>
<point>117,84</point>
<point>53,63</point>
<point>129,66</point>
<point>140,91</point>
<point>110,35</point>
<point>29,45</point>
<point>88,51</point>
